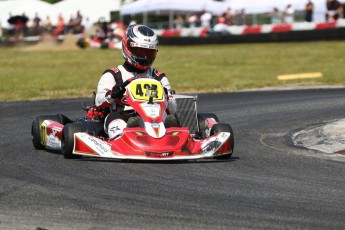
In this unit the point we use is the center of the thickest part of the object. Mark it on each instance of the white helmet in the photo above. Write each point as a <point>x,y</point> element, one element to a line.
<point>140,46</point>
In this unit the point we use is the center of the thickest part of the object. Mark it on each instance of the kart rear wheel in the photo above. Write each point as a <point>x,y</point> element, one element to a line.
<point>67,142</point>
<point>36,126</point>
<point>221,127</point>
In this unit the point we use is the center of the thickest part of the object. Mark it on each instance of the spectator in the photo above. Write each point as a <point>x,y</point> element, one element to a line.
<point>47,24</point>
<point>87,24</point>
<point>37,21</point>
<point>69,25</point>
<point>240,17</point>
<point>20,25</point>
<point>75,24</point>
<point>221,28</point>
<point>289,14</point>
<point>60,26</point>
<point>37,24</point>
<point>205,19</point>
<point>78,27</point>
<point>333,7</point>
<point>179,22</point>
<point>275,16</point>
<point>193,20</point>
<point>100,33</point>
<point>229,17</point>
<point>309,11</point>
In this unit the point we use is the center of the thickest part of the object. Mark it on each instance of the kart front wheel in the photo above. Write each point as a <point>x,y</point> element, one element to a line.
<point>218,128</point>
<point>36,127</point>
<point>36,136</point>
<point>67,142</point>
<point>203,124</point>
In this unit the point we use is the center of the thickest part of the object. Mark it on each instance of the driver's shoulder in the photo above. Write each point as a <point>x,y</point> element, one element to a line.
<point>157,74</point>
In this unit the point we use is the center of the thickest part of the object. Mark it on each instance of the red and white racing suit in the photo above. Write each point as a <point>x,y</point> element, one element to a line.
<point>114,122</point>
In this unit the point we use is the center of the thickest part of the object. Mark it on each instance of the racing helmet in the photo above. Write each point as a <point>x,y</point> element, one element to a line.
<point>139,46</point>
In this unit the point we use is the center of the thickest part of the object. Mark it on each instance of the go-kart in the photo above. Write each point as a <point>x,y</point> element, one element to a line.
<point>151,133</point>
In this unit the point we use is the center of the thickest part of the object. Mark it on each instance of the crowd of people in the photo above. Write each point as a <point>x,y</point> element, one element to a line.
<point>20,26</point>
<point>219,24</point>
<point>335,10</point>
<point>103,31</point>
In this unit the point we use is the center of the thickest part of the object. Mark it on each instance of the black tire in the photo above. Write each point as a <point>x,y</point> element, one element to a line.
<point>221,127</point>
<point>35,133</point>
<point>203,124</point>
<point>36,125</point>
<point>67,142</point>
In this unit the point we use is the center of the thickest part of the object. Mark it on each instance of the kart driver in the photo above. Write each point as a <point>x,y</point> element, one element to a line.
<point>139,49</point>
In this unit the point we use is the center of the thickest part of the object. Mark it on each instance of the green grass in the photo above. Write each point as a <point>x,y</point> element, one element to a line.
<point>47,74</point>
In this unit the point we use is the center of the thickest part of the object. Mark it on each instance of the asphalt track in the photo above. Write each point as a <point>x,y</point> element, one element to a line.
<point>267,184</point>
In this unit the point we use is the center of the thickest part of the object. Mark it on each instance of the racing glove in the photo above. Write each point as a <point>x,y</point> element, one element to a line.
<point>117,92</point>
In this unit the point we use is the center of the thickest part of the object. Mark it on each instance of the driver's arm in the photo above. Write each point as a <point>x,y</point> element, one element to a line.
<point>103,97</point>
<point>172,102</point>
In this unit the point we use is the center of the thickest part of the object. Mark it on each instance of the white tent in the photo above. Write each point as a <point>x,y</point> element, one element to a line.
<point>92,9</point>
<point>250,6</point>
<point>167,6</point>
<point>171,7</point>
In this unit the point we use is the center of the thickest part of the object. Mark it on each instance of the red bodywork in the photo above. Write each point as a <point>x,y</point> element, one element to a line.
<point>154,141</point>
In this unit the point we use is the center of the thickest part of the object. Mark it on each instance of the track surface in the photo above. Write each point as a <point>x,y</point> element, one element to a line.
<point>268,184</point>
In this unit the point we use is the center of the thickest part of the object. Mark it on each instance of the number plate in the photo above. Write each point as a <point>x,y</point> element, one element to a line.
<point>138,89</point>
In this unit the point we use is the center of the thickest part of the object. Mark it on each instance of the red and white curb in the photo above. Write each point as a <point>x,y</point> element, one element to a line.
<point>255,29</point>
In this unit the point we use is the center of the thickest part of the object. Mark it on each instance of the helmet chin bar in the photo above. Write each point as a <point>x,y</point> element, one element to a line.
<point>135,61</point>
<point>129,61</point>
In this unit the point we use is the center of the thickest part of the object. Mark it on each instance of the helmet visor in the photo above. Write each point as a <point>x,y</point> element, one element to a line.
<point>144,53</point>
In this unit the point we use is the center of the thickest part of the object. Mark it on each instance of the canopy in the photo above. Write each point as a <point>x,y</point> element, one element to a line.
<point>176,6</point>
<point>92,9</point>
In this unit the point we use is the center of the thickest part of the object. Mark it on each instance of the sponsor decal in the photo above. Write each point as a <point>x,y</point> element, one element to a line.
<point>114,129</point>
<point>212,144</point>
<point>55,130</point>
<point>155,128</point>
<point>163,154</point>
<point>43,132</point>
<point>146,46</point>
<point>53,141</point>
<point>151,110</point>
<point>98,144</point>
